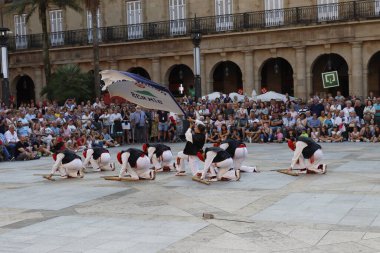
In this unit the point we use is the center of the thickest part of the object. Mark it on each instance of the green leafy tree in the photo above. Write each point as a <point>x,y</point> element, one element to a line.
<point>68,82</point>
<point>29,7</point>
<point>93,6</point>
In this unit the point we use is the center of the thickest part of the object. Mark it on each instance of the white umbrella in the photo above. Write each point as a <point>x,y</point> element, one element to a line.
<point>237,95</point>
<point>213,96</point>
<point>273,95</point>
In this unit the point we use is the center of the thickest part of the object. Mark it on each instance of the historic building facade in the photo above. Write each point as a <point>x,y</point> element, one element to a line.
<point>282,45</point>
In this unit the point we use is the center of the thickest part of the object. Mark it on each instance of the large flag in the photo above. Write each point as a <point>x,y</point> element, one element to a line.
<point>140,91</point>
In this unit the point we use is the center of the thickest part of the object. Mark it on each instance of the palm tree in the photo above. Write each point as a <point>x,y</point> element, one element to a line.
<point>29,7</point>
<point>92,6</point>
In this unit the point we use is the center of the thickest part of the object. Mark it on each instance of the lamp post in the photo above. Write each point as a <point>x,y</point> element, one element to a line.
<point>196,37</point>
<point>4,64</point>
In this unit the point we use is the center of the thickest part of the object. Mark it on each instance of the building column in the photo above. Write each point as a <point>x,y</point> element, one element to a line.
<point>156,69</point>
<point>204,82</point>
<point>256,76</point>
<point>248,73</point>
<point>300,89</point>
<point>365,82</point>
<point>309,84</point>
<point>356,85</point>
<point>38,82</point>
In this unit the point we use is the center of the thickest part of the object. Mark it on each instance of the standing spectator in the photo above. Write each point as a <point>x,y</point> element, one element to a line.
<point>138,118</point>
<point>163,125</point>
<point>359,108</point>
<point>377,112</point>
<point>316,107</point>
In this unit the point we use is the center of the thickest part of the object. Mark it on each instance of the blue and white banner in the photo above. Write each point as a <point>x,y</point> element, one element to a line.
<point>140,91</point>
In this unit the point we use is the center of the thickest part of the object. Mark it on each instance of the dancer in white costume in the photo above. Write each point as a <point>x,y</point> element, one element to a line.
<point>99,158</point>
<point>136,163</point>
<point>160,155</point>
<point>238,152</point>
<point>219,166</point>
<point>307,157</point>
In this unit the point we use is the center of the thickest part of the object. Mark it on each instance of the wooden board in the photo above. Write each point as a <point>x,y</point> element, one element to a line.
<point>46,177</point>
<point>197,179</point>
<point>287,172</point>
<point>116,178</point>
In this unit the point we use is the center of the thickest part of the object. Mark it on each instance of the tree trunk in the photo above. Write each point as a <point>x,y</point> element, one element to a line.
<point>45,42</point>
<point>95,41</point>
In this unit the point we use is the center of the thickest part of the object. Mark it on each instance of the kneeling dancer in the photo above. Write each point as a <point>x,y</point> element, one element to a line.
<point>67,162</point>
<point>99,158</point>
<point>238,151</point>
<point>160,155</point>
<point>194,144</point>
<point>136,163</point>
<point>307,156</point>
<point>219,165</point>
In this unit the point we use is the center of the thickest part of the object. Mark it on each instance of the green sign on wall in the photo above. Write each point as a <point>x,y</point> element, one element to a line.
<point>330,79</point>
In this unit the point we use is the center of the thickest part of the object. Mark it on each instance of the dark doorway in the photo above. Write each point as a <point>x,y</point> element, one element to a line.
<point>227,77</point>
<point>25,90</point>
<point>327,63</point>
<point>181,74</point>
<point>374,74</point>
<point>277,75</point>
<point>140,71</point>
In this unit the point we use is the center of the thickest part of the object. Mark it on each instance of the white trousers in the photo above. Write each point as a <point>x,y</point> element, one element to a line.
<point>71,169</point>
<point>142,169</point>
<point>310,165</point>
<point>239,158</point>
<point>193,163</point>
<point>165,160</point>
<point>224,169</point>
<point>103,162</point>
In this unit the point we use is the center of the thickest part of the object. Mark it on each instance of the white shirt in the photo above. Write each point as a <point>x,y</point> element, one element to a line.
<point>11,137</point>
<point>347,111</point>
<point>115,116</point>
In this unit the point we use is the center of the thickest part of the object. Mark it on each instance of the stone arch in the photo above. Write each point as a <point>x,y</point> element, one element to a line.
<point>139,71</point>
<point>227,77</point>
<point>374,74</point>
<point>277,75</point>
<point>24,88</point>
<point>327,63</point>
<point>180,74</point>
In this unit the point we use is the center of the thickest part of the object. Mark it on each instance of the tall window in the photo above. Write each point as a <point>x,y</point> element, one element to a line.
<point>274,13</point>
<point>89,25</point>
<point>328,10</point>
<point>56,28</point>
<point>177,17</point>
<point>223,11</point>
<point>20,31</point>
<point>377,7</point>
<point>135,29</point>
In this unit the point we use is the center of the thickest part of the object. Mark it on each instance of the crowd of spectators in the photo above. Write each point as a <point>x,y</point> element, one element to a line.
<point>31,130</point>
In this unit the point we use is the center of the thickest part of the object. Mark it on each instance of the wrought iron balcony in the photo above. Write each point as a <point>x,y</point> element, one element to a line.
<point>259,20</point>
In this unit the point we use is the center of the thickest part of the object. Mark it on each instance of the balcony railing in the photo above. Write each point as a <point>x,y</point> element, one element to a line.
<point>298,16</point>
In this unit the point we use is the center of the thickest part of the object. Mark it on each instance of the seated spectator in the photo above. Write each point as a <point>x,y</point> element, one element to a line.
<point>23,150</point>
<point>336,135</point>
<point>376,135</point>
<point>314,122</point>
<point>365,134</point>
<point>354,136</point>
<point>315,134</point>
<point>324,135</point>
<point>235,135</point>
<point>214,137</point>
<point>253,133</point>
<point>224,133</point>
<point>279,137</point>
<point>11,140</point>
<point>266,134</point>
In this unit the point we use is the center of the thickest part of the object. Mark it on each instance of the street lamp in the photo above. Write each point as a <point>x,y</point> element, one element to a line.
<point>196,37</point>
<point>4,64</point>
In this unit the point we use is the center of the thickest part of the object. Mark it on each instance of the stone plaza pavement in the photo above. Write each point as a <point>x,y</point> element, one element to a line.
<point>264,212</point>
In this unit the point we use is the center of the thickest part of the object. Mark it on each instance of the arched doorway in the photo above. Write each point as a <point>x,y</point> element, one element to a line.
<point>181,74</point>
<point>327,63</point>
<point>374,74</point>
<point>25,90</point>
<point>139,71</point>
<point>277,75</point>
<point>227,77</point>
